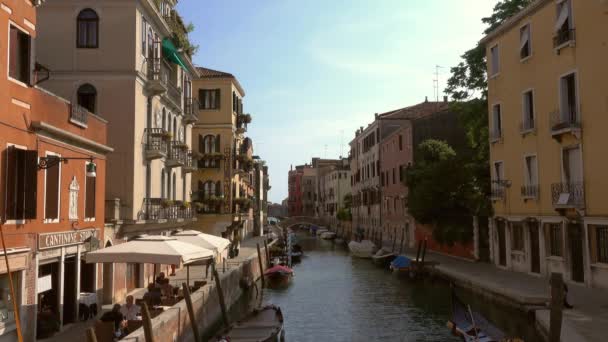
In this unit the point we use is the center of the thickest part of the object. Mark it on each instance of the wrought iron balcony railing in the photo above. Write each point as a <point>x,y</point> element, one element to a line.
<point>190,110</point>
<point>164,209</point>
<point>176,154</point>
<point>78,115</point>
<point>175,94</point>
<point>497,192</point>
<point>563,36</point>
<point>158,74</point>
<point>155,143</point>
<point>568,195</point>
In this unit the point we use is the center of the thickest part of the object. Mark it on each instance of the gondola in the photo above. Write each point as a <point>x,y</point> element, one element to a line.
<point>383,257</point>
<point>264,325</point>
<point>472,326</point>
<point>278,276</point>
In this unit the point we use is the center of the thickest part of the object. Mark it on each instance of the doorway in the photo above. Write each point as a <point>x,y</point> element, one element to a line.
<point>69,290</point>
<point>575,236</point>
<point>534,247</point>
<point>132,276</point>
<point>502,243</point>
<point>484,239</point>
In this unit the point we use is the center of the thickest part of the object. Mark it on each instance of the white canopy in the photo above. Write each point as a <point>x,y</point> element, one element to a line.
<point>153,249</point>
<point>212,242</point>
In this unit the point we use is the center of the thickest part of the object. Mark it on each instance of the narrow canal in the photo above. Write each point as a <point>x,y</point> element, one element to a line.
<point>334,297</point>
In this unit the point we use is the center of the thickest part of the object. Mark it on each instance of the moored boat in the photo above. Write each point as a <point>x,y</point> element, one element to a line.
<point>339,241</point>
<point>327,235</point>
<point>383,257</point>
<point>472,326</point>
<point>363,249</point>
<point>278,276</point>
<point>401,263</point>
<point>264,324</point>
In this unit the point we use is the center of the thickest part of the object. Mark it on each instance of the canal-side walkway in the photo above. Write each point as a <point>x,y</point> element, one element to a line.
<point>587,321</point>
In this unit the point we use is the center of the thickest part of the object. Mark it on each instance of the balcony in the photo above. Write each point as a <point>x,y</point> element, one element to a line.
<point>527,126</point>
<point>497,192</point>
<point>190,164</point>
<point>79,115</point>
<point>155,143</point>
<point>158,75</point>
<point>529,192</point>
<point>164,209</point>
<point>495,135</point>
<point>568,195</point>
<point>176,154</point>
<point>174,94</point>
<point>190,110</point>
<point>564,37</point>
<point>562,123</point>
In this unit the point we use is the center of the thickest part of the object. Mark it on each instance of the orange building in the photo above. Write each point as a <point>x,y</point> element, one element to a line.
<point>52,180</point>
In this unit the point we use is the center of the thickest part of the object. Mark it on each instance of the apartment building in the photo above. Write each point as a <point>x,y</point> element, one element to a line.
<point>53,177</point>
<point>224,180</point>
<point>129,63</point>
<point>294,199</point>
<point>547,111</point>
<point>334,185</point>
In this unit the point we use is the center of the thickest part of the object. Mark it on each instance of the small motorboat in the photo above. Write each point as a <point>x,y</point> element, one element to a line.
<point>327,235</point>
<point>401,263</point>
<point>473,327</point>
<point>383,257</point>
<point>264,324</point>
<point>363,249</point>
<point>278,276</point>
<point>413,268</point>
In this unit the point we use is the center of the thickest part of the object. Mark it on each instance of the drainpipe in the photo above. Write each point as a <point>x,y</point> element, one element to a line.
<point>148,169</point>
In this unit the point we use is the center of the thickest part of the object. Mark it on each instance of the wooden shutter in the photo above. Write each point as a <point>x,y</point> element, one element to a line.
<point>31,184</point>
<point>201,144</point>
<point>217,143</point>
<point>10,204</point>
<point>217,99</point>
<point>52,193</point>
<point>31,74</point>
<point>14,53</point>
<point>24,57</point>
<point>90,197</point>
<point>201,99</point>
<point>20,184</point>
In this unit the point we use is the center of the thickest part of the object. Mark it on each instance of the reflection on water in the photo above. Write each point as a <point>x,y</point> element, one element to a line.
<point>334,297</point>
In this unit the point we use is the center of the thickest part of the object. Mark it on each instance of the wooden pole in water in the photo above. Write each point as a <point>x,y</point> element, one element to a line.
<point>147,323</point>
<point>557,302</point>
<point>266,253</point>
<point>394,238</point>
<point>91,337</point>
<point>418,252</point>
<point>220,294</point>
<point>193,322</point>
<point>261,266</point>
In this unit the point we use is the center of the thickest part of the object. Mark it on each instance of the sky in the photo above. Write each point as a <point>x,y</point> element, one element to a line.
<point>315,70</point>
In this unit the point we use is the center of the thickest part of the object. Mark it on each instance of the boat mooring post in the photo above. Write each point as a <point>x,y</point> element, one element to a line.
<point>261,265</point>
<point>418,252</point>
<point>266,253</point>
<point>220,294</point>
<point>147,323</point>
<point>557,302</point>
<point>193,321</point>
<point>394,238</point>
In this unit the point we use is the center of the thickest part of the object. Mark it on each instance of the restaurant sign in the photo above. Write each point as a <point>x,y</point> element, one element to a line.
<point>59,239</point>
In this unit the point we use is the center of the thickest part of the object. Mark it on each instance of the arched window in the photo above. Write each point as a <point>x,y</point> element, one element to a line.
<point>87,29</point>
<point>162,184</point>
<point>87,97</point>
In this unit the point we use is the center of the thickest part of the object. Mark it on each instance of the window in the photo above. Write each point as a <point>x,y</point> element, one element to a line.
<point>564,30</point>
<point>144,29</point>
<point>401,172</point>
<point>494,61</point>
<point>87,30</point>
<point>571,169</point>
<point>52,179</point>
<point>378,166</point>
<point>73,200</point>
<point>90,190</point>
<point>601,233</point>
<point>496,123</point>
<point>209,98</point>
<point>394,176</point>
<point>21,183</point>
<point>528,102</point>
<point>517,237</point>
<point>525,46</point>
<point>531,171</point>
<point>87,96</point>
<point>19,55</point>
<point>498,171</point>
<point>400,142</point>
<point>7,313</point>
<point>568,100</point>
<point>554,234</point>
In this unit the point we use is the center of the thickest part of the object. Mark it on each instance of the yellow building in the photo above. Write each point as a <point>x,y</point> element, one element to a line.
<point>223,184</point>
<point>547,72</point>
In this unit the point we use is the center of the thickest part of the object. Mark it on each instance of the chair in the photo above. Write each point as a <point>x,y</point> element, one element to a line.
<point>104,331</point>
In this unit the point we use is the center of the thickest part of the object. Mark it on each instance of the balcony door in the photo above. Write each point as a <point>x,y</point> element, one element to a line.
<point>534,247</point>
<point>572,168</point>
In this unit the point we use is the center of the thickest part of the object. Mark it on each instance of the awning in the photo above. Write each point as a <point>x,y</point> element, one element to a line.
<point>208,241</point>
<point>170,52</point>
<point>151,250</point>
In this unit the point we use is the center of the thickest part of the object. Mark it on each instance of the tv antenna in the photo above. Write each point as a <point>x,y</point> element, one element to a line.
<point>436,82</point>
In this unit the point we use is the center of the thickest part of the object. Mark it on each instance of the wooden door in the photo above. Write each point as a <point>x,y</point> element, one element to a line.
<point>534,248</point>
<point>575,236</point>
<point>502,243</point>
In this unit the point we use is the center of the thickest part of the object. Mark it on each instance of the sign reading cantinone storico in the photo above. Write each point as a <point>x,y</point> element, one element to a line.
<point>59,239</point>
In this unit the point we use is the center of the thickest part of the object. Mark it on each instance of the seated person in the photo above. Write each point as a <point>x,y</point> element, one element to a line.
<point>152,297</point>
<point>114,316</point>
<point>160,279</point>
<point>130,310</point>
<point>166,288</point>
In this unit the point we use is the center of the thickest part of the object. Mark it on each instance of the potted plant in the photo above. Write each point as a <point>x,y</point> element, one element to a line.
<point>185,205</point>
<point>166,203</point>
<point>167,135</point>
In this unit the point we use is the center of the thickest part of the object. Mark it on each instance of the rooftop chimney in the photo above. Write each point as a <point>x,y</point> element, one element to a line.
<point>426,99</point>
<point>376,116</point>
<point>445,99</point>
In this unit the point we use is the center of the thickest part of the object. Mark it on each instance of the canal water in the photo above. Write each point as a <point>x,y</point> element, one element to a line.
<point>334,297</point>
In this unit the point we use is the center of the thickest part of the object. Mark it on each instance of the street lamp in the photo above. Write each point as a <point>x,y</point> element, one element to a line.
<point>48,162</point>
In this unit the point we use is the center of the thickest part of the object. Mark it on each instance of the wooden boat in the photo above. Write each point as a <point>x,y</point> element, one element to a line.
<point>383,257</point>
<point>404,265</point>
<point>363,249</point>
<point>472,326</point>
<point>278,276</point>
<point>327,235</point>
<point>263,324</point>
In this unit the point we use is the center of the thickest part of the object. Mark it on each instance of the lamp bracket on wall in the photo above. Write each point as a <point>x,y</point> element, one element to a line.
<point>50,161</point>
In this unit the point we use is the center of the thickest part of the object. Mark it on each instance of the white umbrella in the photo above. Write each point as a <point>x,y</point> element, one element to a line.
<point>152,249</point>
<point>215,243</point>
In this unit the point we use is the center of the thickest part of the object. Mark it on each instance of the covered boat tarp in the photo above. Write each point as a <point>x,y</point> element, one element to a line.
<point>278,269</point>
<point>401,262</point>
<point>461,317</point>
